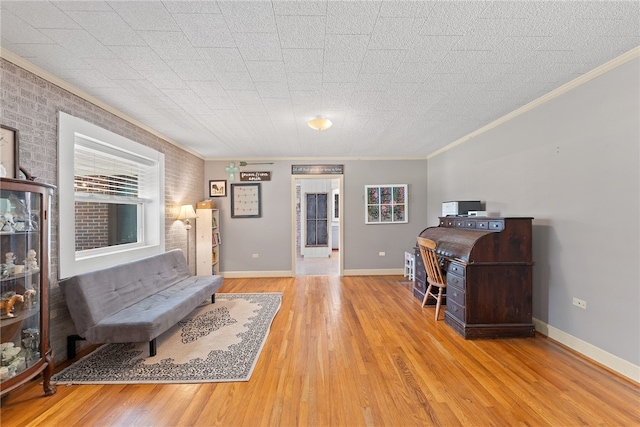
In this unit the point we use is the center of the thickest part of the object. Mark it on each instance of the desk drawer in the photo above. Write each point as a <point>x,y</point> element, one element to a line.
<point>456,311</point>
<point>456,281</point>
<point>456,268</point>
<point>456,295</point>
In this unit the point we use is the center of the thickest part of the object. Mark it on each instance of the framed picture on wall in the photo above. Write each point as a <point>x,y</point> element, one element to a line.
<point>245,201</point>
<point>9,152</point>
<point>386,204</point>
<point>218,188</point>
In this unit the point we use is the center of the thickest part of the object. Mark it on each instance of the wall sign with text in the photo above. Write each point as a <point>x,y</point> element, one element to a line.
<point>317,169</point>
<point>255,176</point>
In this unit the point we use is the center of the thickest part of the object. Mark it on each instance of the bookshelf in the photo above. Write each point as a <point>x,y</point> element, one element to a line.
<point>208,242</point>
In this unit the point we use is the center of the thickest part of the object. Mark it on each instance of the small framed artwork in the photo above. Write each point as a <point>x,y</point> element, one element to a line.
<point>218,188</point>
<point>386,204</point>
<point>10,166</point>
<point>245,201</point>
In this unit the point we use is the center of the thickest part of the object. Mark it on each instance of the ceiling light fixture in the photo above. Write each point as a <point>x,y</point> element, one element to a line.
<point>320,123</point>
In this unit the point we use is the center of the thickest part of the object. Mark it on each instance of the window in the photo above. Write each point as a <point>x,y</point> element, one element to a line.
<point>111,198</point>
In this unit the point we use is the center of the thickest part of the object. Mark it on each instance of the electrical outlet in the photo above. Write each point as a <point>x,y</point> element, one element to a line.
<point>580,303</point>
<point>255,256</point>
<point>381,253</point>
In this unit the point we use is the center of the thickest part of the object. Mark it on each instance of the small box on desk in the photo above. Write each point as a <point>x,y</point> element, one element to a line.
<point>206,204</point>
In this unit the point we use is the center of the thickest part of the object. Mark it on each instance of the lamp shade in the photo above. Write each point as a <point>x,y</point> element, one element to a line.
<point>187,212</point>
<point>320,123</point>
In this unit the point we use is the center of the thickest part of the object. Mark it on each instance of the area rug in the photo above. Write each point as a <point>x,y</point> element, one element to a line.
<point>218,342</point>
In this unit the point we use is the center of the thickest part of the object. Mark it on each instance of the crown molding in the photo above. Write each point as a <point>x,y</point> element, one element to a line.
<point>604,68</point>
<point>52,78</point>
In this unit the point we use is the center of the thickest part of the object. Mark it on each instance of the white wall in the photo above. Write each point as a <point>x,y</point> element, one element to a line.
<point>572,164</point>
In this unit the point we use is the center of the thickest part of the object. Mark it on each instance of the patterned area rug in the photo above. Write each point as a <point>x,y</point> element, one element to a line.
<point>217,342</point>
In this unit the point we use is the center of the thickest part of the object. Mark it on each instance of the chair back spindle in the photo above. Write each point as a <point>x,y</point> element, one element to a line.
<point>435,275</point>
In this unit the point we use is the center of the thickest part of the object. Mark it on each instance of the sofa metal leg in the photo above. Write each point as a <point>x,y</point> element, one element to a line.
<point>71,345</point>
<point>213,298</point>
<point>152,347</point>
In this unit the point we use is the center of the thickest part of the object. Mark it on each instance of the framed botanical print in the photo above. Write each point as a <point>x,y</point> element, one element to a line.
<point>386,204</point>
<point>10,166</point>
<point>245,201</point>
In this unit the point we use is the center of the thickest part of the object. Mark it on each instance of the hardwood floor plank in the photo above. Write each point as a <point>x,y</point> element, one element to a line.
<point>359,351</point>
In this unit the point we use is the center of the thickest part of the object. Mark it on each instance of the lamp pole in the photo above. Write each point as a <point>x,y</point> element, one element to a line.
<point>187,226</point>
<point>186,214</point>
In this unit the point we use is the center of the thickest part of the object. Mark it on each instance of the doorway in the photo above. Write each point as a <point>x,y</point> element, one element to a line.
<point>310,257</point>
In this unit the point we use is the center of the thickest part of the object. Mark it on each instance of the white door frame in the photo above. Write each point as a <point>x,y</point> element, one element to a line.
<point>294,258</point>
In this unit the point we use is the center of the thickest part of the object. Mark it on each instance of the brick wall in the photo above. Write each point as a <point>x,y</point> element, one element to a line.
<point>30,104</point>
<point>92,226</point>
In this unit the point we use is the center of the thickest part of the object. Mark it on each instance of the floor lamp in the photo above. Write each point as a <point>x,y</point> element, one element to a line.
<point>186,214</point>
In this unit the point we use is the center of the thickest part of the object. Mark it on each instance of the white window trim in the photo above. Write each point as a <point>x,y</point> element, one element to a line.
<point>70,264</point>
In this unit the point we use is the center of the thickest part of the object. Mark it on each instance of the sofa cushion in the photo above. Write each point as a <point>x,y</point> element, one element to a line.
<point>94,296</point>
<point>156,314</point>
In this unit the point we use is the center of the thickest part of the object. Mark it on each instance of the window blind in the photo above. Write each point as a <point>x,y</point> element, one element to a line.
<point>102,172</point>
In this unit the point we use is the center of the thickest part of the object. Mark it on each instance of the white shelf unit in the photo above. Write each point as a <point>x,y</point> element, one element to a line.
<point>207,242</point>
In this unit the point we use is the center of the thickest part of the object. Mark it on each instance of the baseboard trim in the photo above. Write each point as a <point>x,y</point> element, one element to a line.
<point>378,272</point>
<point>255,274</point>
<point>613,362</point>
<point>287,273</point>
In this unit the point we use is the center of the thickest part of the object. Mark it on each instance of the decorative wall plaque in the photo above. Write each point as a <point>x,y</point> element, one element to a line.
<point>317,169</point>
<point>255,176</point>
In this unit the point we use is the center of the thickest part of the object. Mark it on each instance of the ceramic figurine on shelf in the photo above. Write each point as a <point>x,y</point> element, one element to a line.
<point>31,262</point>
<point>31,341</point>
<point>19,208</point>
<point>21,215</point>
<point>7,222</point>
<point>8,303</point>
<point>10,258</point>
<point>29,297</point>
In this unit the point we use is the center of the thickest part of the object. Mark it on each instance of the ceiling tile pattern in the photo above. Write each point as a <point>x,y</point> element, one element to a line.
<point>240,79</point>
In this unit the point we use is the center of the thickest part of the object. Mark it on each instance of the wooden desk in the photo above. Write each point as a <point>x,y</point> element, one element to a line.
<point>489,275</point>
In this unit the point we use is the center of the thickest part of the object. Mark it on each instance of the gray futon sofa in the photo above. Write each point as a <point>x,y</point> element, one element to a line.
<point>134,301</point>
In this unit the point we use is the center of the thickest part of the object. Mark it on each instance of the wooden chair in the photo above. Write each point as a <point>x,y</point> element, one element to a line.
<point>435,275</point>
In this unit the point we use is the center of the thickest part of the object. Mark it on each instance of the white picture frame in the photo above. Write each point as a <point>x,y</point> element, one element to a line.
<point>386,204</point>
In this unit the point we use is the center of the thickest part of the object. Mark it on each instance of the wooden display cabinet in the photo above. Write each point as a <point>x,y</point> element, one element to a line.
<point>24,281</point>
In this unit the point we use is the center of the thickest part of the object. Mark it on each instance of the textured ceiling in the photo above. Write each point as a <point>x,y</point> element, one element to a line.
<point>239,80</point>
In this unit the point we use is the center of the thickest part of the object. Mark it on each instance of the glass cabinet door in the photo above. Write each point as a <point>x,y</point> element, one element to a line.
<point>24,348</point>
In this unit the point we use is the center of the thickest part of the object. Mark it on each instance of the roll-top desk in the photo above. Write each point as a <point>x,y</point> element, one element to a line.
<point>489,275</point>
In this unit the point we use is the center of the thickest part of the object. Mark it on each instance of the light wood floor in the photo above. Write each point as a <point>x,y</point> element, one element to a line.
<point>359,351</point>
